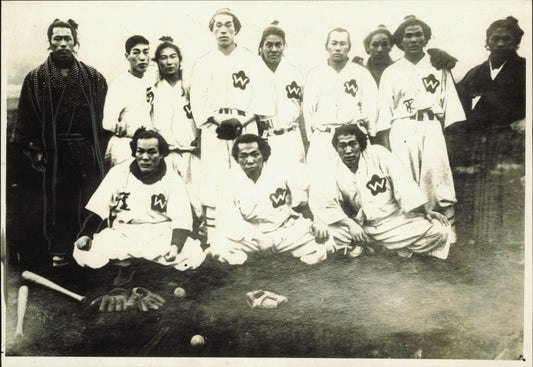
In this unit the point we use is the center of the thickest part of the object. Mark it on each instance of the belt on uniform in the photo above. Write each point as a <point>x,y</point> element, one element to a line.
<point>282,131</point>
<point>229,111</point>
<point>325,129</point>
<point>180,151</point>
<point>423,115</point>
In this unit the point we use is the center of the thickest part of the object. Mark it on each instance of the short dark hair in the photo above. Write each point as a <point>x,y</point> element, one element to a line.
<point>72,25</point>
<point>380,30</point>
<point>142,133</point>
<point>511,24</point>
<point>272,29</point>
<point>135,40</point>
<point>262,144</point>
<point>167,43</point>
<point>410,20</point>
<point>350,129</point>
<point>236,21</point>
<point>341,30</point>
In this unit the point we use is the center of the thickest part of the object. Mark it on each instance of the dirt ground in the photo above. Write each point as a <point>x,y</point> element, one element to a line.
<point>470,306</point>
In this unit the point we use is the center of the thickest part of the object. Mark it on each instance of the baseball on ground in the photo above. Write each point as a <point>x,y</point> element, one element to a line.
<point>179,292</point>
<point>197,341</point>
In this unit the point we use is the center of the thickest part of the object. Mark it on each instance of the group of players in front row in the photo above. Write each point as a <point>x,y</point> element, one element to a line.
<point>349,198</point>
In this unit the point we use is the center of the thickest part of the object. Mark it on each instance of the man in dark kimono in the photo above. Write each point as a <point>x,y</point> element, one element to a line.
<point>494,99</point>
<point>59,128</point>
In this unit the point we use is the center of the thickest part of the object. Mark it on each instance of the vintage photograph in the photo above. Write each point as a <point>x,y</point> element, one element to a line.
<point>266,183</point>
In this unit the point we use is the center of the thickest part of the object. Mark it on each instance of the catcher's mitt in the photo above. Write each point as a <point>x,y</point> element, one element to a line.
<point>264,299</point>
<point>229,129</point>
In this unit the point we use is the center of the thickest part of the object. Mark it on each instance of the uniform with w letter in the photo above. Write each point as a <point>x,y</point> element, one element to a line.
<point>416,102</point>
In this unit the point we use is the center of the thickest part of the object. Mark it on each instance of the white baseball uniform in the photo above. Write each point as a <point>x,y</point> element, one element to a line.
<point>332,99</point>
<point>172,118</point>
<point>412,99</point>
<point>284,135</point>
<point>249,212</point>
<point>379,196</point>
<point>140,217</point>
<point>129,94</point>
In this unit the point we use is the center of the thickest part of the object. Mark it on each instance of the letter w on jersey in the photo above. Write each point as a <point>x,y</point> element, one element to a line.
<point>430,83</point>
<point>240,80</point>
<point>293,90</point>
<point>279,197</point>
<point>159,203</point>
<point>351,87</point>
<point>377,184</point>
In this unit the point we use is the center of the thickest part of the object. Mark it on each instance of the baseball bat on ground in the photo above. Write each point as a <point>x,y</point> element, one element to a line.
<point>35,278</point>
<point>21,311</point>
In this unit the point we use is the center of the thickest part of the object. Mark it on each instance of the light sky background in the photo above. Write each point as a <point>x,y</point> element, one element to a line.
<point>458,27</point>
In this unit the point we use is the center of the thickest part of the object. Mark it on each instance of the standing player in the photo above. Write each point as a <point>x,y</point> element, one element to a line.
<point>147,210</point>
<point>416,102</point>
<point>335,94</point>
<point>172,118</point>
<point>255,209</point>
<point>59,128</point>
<point>126,107</point>
<point>229,92</point>
<point>283,134</point>
<point>372,200</point>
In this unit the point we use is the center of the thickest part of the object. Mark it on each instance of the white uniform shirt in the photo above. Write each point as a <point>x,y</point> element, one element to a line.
<point>380,188</point>
<point>406,88</point>
<point>122,198</point>
<point>245,206</point>
<point>132,93</point>
<point>286,84</point>
<point>237,81</point>
<point>171,115</point>
<point>332,98</point>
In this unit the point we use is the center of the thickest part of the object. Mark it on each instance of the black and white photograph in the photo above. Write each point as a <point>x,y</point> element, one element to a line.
<point>266,183</point>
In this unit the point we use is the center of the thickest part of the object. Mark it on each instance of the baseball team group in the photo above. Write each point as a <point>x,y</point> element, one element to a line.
<point>250,155</point>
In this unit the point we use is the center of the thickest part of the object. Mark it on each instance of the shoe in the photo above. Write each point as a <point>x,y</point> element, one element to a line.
<point>59,261</point>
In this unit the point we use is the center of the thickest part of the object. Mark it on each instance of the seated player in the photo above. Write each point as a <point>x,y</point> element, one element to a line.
<point>372,199</point>
<point>147,210</point>
<point>255,209</point>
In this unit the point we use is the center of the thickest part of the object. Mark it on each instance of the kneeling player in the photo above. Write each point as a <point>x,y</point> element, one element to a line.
<point>371,199</point>
<point>255,209</point>
<point>147,209</point>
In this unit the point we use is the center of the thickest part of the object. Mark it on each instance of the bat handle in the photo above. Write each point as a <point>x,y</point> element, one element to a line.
<point>21,311</point>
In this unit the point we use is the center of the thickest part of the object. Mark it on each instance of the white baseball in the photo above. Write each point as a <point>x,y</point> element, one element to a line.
<point>197,341</point>
<point>179,292</point>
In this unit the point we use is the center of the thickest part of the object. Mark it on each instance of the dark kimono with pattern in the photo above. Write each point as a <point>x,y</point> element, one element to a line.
<point>60,116</point>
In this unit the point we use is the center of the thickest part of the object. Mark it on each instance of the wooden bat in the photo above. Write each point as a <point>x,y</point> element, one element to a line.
<point>35,278</point>
<point>21,311</point>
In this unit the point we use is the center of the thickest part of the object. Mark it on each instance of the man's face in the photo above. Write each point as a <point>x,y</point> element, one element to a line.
<point>62,43</point>
<point>139,59</point>
<point>338,46</point>
<point>147,154</point>
<point>501,42</point>
<point>349,150</point>
<point>272,49</point>
<point>224,30</point>
<point>250,159</point>
<point>168,62</point>
<point>413,41</point>
<point>379,47</point>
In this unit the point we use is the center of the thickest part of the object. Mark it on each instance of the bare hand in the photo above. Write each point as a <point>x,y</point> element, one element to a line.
<point>37,159</point>
<point>83,243</point>
<point>357,232</point>
<point>319,230</point>
<point>430,215</point>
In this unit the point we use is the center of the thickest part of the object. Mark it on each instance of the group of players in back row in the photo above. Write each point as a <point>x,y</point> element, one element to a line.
<point>229,151</point>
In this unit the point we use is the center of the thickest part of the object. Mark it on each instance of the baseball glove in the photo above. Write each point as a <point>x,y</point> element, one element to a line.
<point>264,299</point>
<point>229,129</point>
